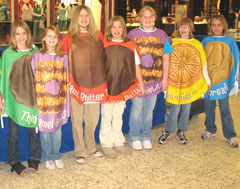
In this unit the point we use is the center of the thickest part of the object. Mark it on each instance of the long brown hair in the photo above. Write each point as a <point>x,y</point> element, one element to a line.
<point>74,29</point>
<point>58,47</point>
<point>24,26</point>
<point>108,33</point>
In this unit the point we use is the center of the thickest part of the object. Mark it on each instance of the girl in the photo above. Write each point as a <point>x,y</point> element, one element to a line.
<point>122,63</point>
<point>50,68</point>
<point>17,90</point>
<point>223,63</point>
<point>155,52</point>
<point>88,86</point>
<point>186,80</point>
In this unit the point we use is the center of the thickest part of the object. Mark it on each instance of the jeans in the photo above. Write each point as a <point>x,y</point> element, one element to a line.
<point>172,121</point>
<point>111,124</point>
<point>13,149</point>
<point>141,116</point>
<point>51,143</point>
<point>227,122</point>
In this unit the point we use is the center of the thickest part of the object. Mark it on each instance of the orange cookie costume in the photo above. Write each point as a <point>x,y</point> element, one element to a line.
<point>186,78</point>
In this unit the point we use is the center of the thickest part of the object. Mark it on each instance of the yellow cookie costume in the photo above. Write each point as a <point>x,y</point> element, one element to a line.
<point>186,77</point>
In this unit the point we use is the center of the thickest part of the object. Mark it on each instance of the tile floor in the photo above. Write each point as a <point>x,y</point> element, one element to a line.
<point>199,164</point>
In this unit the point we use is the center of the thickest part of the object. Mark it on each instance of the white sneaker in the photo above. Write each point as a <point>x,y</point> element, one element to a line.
<point>147,145</point>
<point>136,145</point>
<point>97,154</point>
<point>80,159</point>
<point>50,165</point>
<point>59,163</point>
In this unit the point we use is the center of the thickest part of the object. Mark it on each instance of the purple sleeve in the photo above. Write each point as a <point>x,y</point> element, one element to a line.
<point>34,62</point>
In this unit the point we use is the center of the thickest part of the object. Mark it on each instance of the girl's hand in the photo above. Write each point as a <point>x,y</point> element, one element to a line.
<point>1,107</point>
<point>164,84</point>
<point>142,89</point>
<point>209,88</point>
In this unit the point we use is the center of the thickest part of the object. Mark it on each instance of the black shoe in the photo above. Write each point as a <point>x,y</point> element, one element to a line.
<point>19,168</point>
<point>33,164</point>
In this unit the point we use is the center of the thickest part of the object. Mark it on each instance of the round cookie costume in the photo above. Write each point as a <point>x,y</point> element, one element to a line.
<point>52,90</point>
<point>186,79</point>
<point>86,65</point>
<point>121,71</point>
<point>17,87</point>
<point>223,66</point>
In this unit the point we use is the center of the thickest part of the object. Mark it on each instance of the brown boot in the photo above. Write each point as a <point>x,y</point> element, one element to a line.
<point>109,152</point>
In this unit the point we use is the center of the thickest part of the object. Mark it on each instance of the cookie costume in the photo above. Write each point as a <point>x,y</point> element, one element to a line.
<point>121,70</point>
<point>52,90</point>
<point>186,77</point>
<point>86,65</point>
<point>223,66</point>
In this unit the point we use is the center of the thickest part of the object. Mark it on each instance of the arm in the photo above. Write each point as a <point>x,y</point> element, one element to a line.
<point>1,104</point>
<point>140,80</point>
<point>166,61</point>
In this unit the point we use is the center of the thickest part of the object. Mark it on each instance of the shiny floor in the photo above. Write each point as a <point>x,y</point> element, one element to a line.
<point>199,164</point>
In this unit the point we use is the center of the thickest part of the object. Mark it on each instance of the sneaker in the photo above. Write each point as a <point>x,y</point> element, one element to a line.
<point>123,149</point>
<point>109,152</point>
<point>181,137</point>
<point>164,137</point>
<point>147,145</point>
<point>80,159</point>
<point>208,135</point>
<point>33,164</point>
<point>50,165</point>
<point>59,163</point>
<point>233,142</point>
<point>136,145</point>
<point>97,154</point>
<point>19,168</point>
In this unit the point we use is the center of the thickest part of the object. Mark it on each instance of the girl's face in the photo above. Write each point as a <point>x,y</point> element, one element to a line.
<point>51,39</point>
<point>117,30</point>
<point>217,27</point>
<point>184,31</point>
<point>147,20</point>
<point>83,20</point>
<point>20,36</point>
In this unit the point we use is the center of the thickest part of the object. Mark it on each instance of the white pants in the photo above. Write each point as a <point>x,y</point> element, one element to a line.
<point>111,124</point>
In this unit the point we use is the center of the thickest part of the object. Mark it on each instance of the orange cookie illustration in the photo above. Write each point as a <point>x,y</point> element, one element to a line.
<point>51,74</point>
<point>219,61</point>
<point>185,66</point>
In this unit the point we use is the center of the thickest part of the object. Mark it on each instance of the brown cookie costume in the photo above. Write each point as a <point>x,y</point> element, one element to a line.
<point>121,71</point>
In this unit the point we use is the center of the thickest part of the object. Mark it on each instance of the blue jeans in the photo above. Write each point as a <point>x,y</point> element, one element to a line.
<point>13,149</point>
<point>172,121</point>
<point>51,143</point>
<point>141,116</point>
<point>227,122</point>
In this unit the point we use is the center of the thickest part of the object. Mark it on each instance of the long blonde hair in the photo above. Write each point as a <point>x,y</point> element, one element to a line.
<point>222,19</point>
<point>74,29</point>
<point>108,33</point>
<point>24,26</point>
<point>58,47</point>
